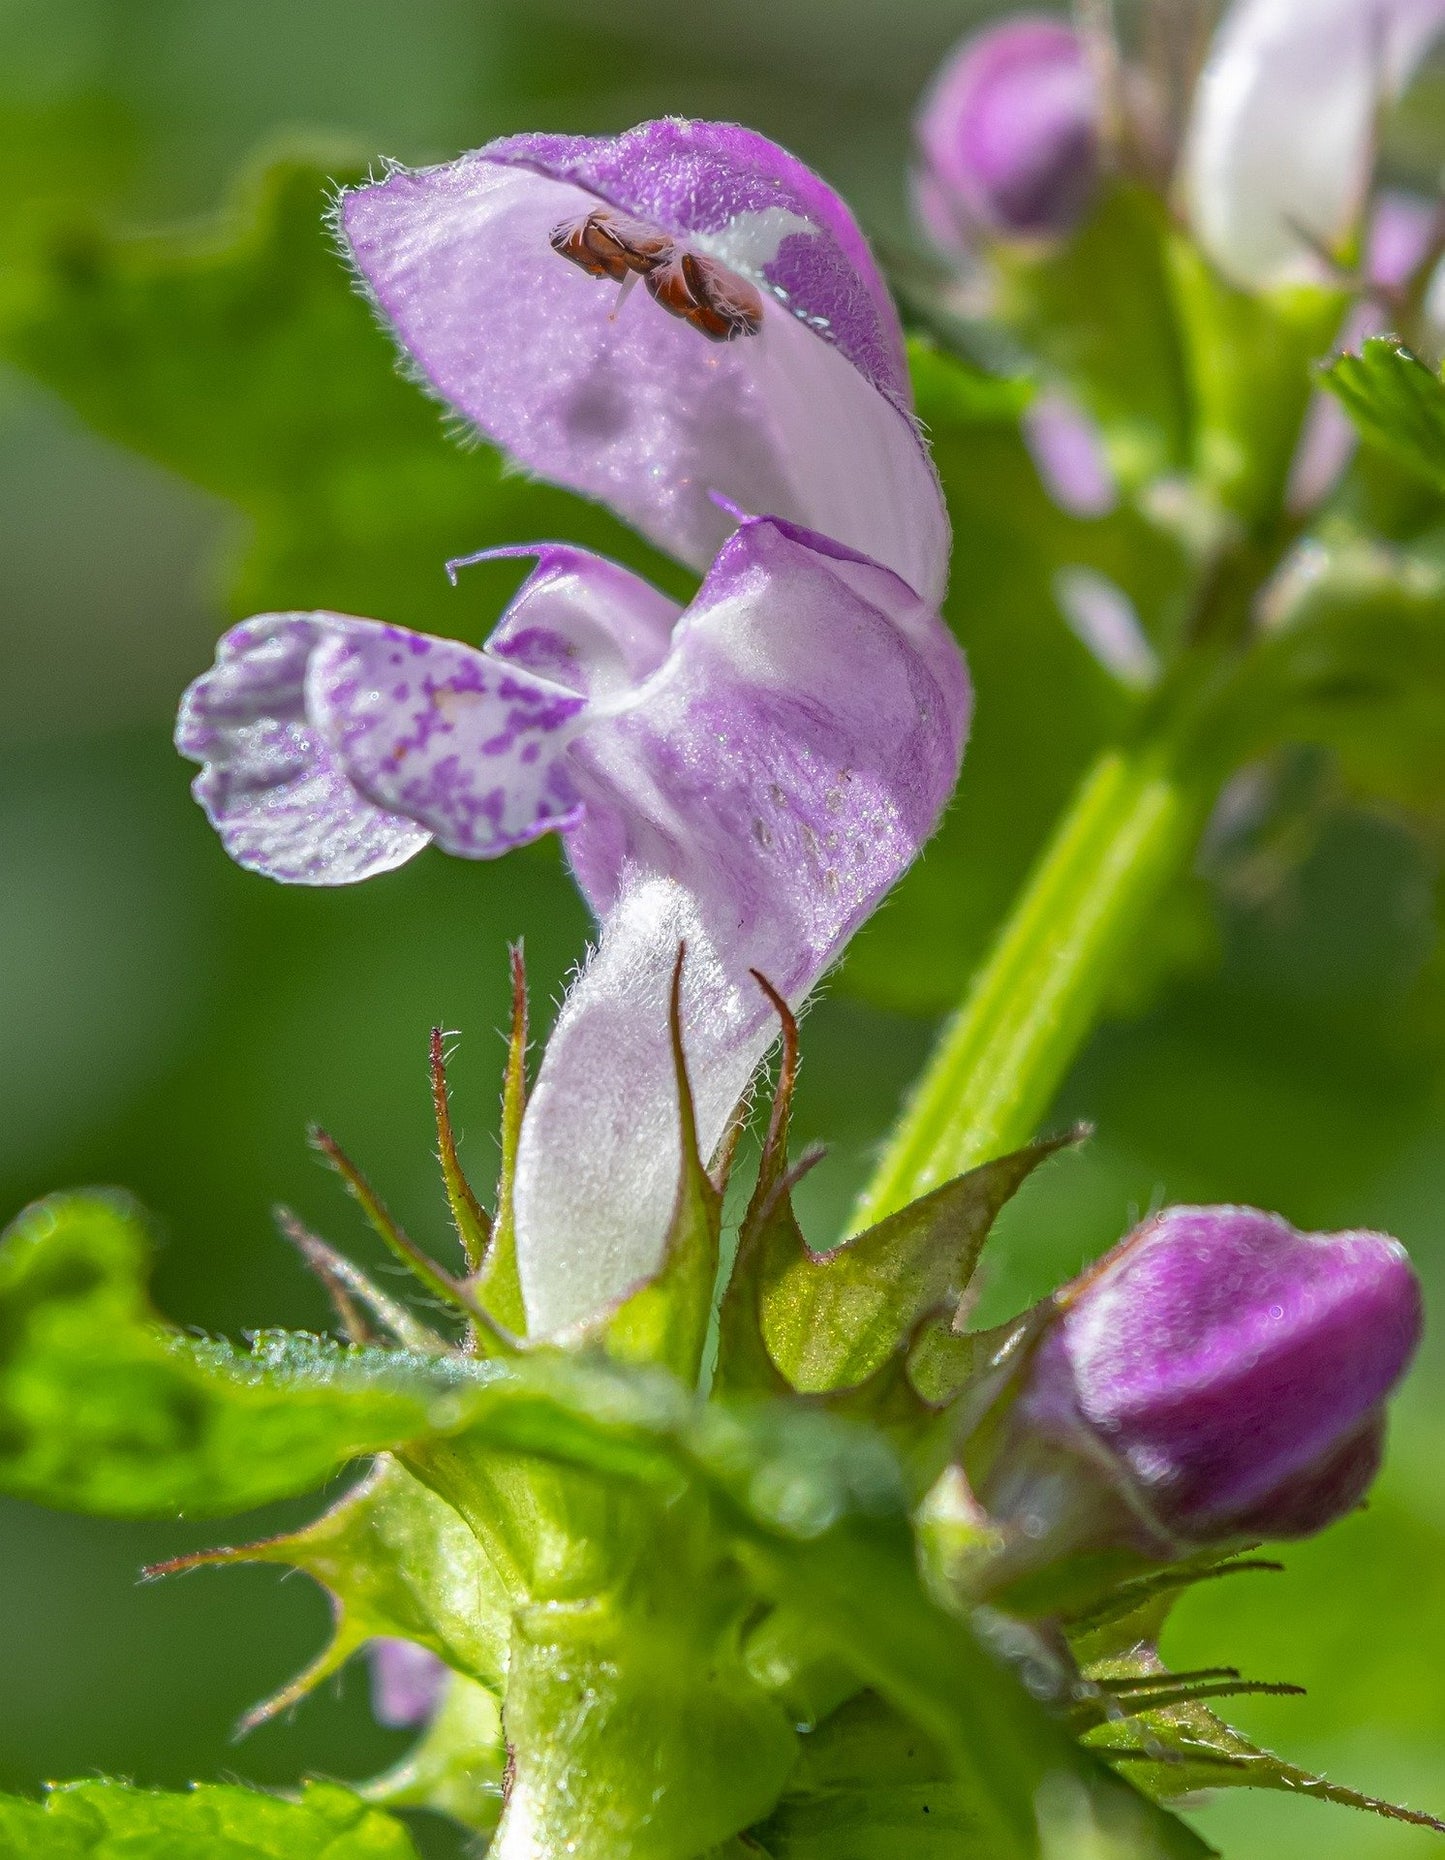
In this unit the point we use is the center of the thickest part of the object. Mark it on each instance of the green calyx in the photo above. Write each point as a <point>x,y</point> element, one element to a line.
<point>677,1625</point>
<point>630,1583</point>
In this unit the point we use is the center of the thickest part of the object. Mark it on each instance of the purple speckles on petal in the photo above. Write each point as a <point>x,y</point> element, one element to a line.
<point>449,756</point>
<point>270,783</point>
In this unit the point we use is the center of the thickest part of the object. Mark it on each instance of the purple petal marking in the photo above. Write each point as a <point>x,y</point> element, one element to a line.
<point>1009,136</point>
<point>1281,141</point>
<point>270,784</point>
<point>1233,1369</point>
<point>756,797</point>
<point>808,419</point>
<point>582,621</point>
<point>470,747</point>
<point>407,1681</point>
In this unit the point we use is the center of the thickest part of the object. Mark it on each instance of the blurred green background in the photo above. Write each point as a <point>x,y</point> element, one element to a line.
<point>170,1023</point>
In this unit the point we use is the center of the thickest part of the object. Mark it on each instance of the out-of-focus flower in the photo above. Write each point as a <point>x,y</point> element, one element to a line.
<point>1219,1376</point>
<point>1008,136</point>
<point>749,776</point>
<point>1103,618</point>
<point>761,361</point>
<point>407,1681</point>
<point>1068,455</point>
<point>1278,158</point>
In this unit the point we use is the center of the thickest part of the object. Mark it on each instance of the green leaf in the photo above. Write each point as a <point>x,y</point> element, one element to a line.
<point>1397,403</point>
<point>241,357</point>
<point>869,1786</point>
<point>396,1560</point>
<point>1250,357</point>
<point>1098,310</point>
<point>832,1319</point>
<point>1355,662</point>
<point>112,1821</point>
<point>102,1408</point>
<point>457,1767</point>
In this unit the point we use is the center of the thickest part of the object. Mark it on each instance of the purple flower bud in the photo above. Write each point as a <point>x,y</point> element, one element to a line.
<point>1219,1376</point>
<point>407,1681</point>
<point>1009,135</point>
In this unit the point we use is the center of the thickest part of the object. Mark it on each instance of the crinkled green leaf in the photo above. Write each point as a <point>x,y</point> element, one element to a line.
<point>396,1560</point>
<point>1098,310</point>
<point>832,1319</point>
<point>103,1408</point>
<point>112,1821</point>
<point>1397,403</point>
<point>1250,357</point>
<point>457,1766</point>
<point>242,357</point>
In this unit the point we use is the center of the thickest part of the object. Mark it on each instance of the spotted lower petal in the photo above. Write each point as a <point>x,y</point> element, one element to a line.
<point>472,748</point>
<point>271,785</point>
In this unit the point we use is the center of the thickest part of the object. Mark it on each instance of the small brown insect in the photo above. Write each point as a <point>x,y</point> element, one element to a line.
<point>611,245</point>
<point>709,296</point>
<point>702,292</point>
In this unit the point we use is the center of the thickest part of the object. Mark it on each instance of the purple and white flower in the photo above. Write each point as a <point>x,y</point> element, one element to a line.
<point>749,776</point>
<point>1280,152</point>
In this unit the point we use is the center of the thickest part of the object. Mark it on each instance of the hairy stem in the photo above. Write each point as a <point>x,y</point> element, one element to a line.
<point>1130,828</point>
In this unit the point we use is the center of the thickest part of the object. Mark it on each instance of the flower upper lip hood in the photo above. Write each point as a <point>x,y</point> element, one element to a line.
<point>1280,146</point>
<point>808,420</point>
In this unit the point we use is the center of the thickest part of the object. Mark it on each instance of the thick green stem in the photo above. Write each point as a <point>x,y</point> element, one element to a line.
<point>1130,829</point>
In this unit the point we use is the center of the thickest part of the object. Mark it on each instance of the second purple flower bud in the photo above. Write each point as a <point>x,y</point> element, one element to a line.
<point>1009,136</point>
<point>1218,1377</point>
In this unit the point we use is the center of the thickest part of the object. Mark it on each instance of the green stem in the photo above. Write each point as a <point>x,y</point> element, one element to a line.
<point>1130,829</point>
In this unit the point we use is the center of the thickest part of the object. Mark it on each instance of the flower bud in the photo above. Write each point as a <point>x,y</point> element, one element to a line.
<point>1008,136</point>
<point>1219,1376</point>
